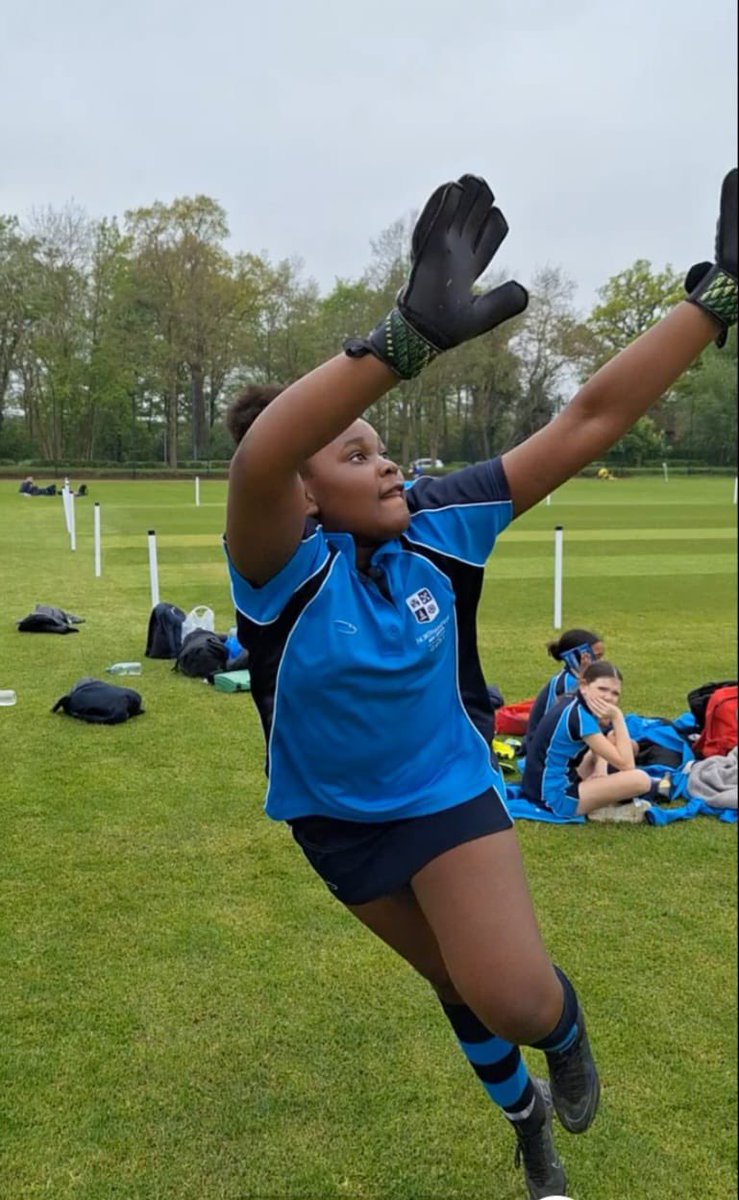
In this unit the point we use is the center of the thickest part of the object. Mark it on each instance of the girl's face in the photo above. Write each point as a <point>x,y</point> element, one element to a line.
<point>352,486</point>
<point>594,654</point>
<point>607,689</point>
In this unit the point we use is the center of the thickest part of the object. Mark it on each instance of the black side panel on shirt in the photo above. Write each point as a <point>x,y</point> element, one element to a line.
<point>266,646</point>
<point>467,583</point>
<point>482,483</point>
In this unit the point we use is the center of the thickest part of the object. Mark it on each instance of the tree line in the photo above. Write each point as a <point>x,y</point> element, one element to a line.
<point>122,341</point>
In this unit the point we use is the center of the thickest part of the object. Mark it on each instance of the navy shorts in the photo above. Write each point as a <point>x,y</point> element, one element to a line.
<point>361,861</point>
<point>563,801</point>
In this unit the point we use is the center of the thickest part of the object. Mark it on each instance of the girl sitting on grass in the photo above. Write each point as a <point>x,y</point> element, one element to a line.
<point>575,649</point>
<point>575,744</point>
<point>357,597</point>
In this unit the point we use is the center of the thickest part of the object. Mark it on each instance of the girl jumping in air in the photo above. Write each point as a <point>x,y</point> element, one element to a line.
<point>356,598</point>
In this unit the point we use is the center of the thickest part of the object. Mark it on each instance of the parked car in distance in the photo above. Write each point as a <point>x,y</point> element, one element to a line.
<point>426,464</point>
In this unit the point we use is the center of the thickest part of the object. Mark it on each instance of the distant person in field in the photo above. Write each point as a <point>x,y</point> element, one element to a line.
<point>356,597</point>
<point>581,758</point>
<point>29,488</point>
<point>575,649</point>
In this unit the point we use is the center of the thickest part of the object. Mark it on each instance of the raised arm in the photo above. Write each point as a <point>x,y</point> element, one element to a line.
<point>454,241</point>
<point>266,500</point>
<point>626,387</point>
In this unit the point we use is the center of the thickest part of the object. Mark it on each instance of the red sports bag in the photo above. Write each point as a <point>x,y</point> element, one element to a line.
<point>513,719</point>
<point>719,734</point>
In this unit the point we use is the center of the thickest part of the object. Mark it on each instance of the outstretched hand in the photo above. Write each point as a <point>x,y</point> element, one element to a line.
<point>454,240</point>
<point>714,287</point>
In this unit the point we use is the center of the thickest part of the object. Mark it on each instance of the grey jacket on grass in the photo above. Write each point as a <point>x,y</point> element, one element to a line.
<point>715,780</point>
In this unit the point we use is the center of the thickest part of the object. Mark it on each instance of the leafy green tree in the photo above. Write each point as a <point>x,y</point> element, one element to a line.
<point>706,407</point>
<point>55,344</point>
<point>630,303</point>
<point>644,443</point>
<point>179,267</point>
<point>17,267</point>
<point>279,341</point>
<point>551,345</point>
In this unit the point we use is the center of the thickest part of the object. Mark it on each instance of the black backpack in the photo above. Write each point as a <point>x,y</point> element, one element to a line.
<point>100,703</point>
<point>164,637</point>
<point>203,655</point>
<point>699,697</point>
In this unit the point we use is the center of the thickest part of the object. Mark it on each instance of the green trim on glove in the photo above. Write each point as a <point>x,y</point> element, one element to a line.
<point>396,343</point>
<point>405,351</point>
<point>718,295</point>
<point>721,297</point>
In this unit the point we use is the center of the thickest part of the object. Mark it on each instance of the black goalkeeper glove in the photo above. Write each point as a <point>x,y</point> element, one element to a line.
<point>713,286</point>
<point>453,242</point>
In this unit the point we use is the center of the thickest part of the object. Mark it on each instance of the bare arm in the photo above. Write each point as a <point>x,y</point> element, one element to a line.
<point>608,405</point>
<point>455,238</point>
<point>619,752</point>
<point>622,391</point>
<point>266,501</point>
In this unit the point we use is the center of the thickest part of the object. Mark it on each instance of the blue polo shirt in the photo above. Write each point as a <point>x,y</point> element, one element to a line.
<point>556,750</point>
<point>368,685</point>
<point>559,685</point>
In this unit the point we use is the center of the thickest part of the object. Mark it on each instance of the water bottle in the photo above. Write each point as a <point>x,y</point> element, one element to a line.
<point>233,645</point>
<point>7,698</point>
<point>124,668</point>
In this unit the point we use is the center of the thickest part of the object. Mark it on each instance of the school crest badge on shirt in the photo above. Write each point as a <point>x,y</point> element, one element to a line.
<point>423,606</point>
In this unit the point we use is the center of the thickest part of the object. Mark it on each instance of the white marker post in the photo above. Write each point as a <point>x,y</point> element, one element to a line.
<point>736,489</point>
<point>96,539</point>
<point>153,568</point>
<point>667,476</point>
<point>548,500</point>
<point>65,503</point>
<point>197,491</point>
<point>558,539</point>
<point>72,526</point>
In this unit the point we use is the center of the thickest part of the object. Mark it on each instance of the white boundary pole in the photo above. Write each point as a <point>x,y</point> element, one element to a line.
<point>96,538</point>
<point>197,491</point>
<point>548,500</point>
<point>736,489</point>
<point>153,568</point>
<point>65,503</point>
<point>72,525</point>
<point>558,557</point>
<point>667,475</point>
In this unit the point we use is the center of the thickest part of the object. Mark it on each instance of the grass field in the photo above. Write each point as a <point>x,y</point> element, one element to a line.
<point>186,1014</point>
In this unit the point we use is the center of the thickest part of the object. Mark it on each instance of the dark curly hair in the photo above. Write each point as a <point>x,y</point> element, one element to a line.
<point>244,409</point>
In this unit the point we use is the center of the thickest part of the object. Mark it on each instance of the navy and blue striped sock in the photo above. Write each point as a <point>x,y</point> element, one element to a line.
<point>567,1028</point>
<point>497,1064</point>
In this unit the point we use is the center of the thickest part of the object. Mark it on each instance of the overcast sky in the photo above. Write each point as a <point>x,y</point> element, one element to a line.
<point>604,126</point>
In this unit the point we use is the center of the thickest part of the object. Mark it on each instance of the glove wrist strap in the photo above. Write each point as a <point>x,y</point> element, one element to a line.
<point>718,295</point>
<point>396,343</point>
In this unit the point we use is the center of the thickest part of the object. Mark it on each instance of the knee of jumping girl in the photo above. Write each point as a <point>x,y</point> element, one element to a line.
<point>446,991</point>
<point>523,1014</point>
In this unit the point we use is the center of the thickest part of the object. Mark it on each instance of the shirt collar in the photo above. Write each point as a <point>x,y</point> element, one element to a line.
<point>344,543</point>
